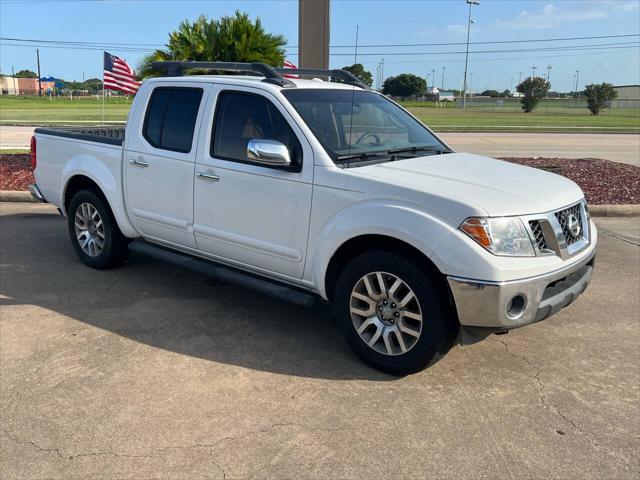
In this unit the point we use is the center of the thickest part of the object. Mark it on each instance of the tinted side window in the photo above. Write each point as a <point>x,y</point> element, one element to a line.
<point>155,116</point>
<point>171,118</point>
<point>241,117</point>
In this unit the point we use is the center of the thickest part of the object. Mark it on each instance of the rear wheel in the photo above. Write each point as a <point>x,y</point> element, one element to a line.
<point>390,313</point>
<point>94,232</point>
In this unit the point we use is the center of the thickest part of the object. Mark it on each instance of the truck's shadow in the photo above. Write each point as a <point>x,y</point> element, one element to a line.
<point>170,307</point>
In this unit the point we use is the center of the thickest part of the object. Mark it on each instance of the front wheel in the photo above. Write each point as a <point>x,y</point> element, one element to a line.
<point>390,313</point>
<point>93,231</point>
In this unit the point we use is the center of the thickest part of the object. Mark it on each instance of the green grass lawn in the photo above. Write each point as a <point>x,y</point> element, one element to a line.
<point>551,116</point>
<point>451,119</point>
<point>43,111</point>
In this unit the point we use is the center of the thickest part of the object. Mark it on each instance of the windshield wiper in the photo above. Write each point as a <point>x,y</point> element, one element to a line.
<point>417,148</point>
<point>361,155</point>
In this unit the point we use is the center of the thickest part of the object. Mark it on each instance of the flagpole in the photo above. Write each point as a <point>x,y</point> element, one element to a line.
<point>103,90</point>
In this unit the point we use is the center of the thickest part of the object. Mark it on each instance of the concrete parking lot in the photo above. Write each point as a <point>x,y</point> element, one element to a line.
<point>152,370</point>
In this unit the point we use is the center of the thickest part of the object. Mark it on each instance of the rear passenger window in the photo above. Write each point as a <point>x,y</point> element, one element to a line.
<point>241,117</point>
<point>171,118</point>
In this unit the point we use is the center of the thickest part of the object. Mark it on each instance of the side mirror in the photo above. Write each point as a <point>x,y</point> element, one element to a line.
<point>268,152</point>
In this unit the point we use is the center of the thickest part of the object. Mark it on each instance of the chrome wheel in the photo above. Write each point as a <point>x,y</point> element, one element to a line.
<point>89,229</point>
<point>386,313</point>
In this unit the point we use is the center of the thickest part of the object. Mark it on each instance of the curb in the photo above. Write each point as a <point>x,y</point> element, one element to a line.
<point>16,196</point>
<point>614,210</point>
<point>594,210</point>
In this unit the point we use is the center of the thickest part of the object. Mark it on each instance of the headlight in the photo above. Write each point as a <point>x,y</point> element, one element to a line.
<point>501,236</point>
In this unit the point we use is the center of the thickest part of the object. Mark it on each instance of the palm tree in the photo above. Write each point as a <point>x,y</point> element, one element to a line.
<point>229,39</point>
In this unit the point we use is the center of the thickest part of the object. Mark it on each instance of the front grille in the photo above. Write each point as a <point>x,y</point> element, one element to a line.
<point>538,236</point>
<point>567,219</point>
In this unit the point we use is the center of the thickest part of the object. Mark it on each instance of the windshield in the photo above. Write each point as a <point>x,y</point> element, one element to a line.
<point>377,128</point>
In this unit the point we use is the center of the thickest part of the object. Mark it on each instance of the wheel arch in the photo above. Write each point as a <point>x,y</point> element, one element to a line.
<point>371,242</point>
<point>85,171</point>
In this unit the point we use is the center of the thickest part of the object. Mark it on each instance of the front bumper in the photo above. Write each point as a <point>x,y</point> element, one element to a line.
<point>498,306</point>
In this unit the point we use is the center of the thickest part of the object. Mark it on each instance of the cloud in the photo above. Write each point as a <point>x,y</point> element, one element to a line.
<point>456,28</point>
<point>551,16</point>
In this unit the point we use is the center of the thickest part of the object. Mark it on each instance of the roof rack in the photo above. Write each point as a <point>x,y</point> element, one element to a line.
<point>270,74</point>
<point>176,69</point>
<point>347,77</point>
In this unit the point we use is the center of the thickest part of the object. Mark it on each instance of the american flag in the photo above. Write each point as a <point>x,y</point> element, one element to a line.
<point>288,64</point>
<point>118,75</point>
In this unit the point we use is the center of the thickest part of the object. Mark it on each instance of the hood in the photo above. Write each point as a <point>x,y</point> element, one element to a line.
<point>500,188</point>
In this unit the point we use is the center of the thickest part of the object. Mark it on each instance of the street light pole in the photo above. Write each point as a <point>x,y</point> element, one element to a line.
<point>533,72</point>
<point>442,84</point>
<point>577,78</point>
<point>466,59</point>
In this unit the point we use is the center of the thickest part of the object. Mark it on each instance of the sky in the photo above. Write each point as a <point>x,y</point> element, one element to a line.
<point>132,27</point>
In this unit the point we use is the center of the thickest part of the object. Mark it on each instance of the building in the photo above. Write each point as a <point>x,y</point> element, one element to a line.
<point>628,96</point>
<point>9,86</point>
<point>25,86</point>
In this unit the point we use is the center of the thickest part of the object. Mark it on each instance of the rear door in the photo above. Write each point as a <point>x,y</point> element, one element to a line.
<point>248,214</point>
<point>159,161</point>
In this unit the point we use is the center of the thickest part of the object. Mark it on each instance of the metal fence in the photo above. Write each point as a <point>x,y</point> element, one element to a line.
<point>548,105</point>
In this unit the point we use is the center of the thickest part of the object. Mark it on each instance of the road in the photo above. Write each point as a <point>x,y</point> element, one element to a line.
<point>155,371</point>
<point>624,148</point>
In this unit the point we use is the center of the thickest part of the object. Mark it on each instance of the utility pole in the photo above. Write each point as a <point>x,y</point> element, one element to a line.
<point>466,58</point>
<point>442,84</point>
<point>39,82</point>
<point>13,75</point>
<point>355,55</point>
<point>533,72</point>
<point>549,67</point>
<point>577,78</point>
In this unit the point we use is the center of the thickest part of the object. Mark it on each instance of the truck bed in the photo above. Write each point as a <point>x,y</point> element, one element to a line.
<point>109,135</point>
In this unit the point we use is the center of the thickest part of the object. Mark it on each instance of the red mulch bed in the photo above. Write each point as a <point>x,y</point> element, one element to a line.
<point>15,171</point>
<point>602,181</point>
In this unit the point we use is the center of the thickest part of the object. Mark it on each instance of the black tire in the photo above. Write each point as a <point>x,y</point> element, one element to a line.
<point>438,329</point>
<point>114,249</point>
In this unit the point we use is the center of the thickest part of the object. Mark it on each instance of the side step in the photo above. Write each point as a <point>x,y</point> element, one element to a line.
<point>227,274</point>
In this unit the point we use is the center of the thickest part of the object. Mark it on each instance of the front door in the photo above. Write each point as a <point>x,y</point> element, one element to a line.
<point>248,214</point>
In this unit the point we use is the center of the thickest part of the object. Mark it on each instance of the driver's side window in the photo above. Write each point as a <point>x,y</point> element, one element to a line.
<point>241,117</point>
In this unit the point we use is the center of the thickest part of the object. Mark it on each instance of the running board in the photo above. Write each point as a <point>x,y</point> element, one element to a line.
<point>227,274</point>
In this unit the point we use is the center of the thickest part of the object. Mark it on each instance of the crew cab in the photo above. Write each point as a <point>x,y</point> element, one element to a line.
<point>329,187</point>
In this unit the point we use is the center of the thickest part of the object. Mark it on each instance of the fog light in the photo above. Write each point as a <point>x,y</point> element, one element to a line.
<point>516,306</point>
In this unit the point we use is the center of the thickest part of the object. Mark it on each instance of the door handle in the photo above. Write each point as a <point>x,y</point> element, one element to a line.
<point>208,176</point>
<point>138,161</point>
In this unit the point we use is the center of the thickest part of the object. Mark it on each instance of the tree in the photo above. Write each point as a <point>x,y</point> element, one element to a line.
<point>533,90</point>
<point>228,39</point>
<point>26,74</point>
<point>404,85</point>
<point>598,96</point>
<point>505,93</point>
<point>490,93</point>
<point>358,70</point>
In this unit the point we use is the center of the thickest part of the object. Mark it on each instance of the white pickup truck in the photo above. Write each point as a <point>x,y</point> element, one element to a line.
<point>329,187</point>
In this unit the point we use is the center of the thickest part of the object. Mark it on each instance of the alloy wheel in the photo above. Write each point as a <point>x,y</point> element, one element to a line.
<point>386,313</point>
<point>89,229</point>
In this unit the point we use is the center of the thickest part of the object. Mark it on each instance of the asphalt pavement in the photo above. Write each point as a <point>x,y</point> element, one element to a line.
<point>152,370</point>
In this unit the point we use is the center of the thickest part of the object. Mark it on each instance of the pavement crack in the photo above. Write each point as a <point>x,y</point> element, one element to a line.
<point>33,444</point>
<point>158,452</point>
<point>546,403</point>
